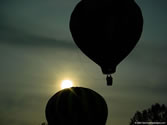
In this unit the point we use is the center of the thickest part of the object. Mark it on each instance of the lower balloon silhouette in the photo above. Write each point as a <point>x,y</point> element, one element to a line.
<point>76,106</point>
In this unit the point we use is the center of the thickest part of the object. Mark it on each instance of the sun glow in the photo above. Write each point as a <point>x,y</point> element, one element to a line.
<point>66,84</point>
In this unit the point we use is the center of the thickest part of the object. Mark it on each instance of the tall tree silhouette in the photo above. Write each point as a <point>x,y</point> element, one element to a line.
<point>157,113</point>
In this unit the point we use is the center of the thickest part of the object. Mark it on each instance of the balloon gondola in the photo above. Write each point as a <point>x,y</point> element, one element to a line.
<point>106,31</point>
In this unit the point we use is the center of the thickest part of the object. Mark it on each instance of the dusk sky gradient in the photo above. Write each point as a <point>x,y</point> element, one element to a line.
<point>37,52</point>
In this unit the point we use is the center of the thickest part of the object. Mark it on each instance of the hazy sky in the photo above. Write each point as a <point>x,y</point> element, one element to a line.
<point>37,52</point>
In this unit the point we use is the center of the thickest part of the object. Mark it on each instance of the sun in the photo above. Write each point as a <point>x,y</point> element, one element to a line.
<point>66,84</point>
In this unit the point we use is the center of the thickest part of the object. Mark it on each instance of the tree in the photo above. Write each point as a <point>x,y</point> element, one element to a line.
<point>157,113</point>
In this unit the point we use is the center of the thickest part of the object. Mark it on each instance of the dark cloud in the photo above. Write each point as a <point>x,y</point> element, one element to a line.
<point>37,17</point>
<point>22,108</point>
<point>21,38</point>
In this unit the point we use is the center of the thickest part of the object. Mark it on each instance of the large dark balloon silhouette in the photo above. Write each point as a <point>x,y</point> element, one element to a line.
<point>76,106</point>
<point>106,31</point>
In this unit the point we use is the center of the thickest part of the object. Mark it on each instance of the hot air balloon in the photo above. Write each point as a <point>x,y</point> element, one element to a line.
<point>76,106</point>
<point>106,31</point>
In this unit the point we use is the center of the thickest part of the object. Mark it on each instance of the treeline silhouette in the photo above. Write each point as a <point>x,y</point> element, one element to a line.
<point>156,113</point>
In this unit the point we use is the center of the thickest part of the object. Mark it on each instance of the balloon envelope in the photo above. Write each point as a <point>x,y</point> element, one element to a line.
<point>106,31</point>
<point>76,106</point>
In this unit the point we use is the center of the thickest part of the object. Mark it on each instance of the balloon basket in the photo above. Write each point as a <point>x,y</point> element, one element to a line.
<point>109,80</point>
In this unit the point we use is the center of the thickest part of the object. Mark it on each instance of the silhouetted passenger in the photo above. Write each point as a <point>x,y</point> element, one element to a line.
<point>76,106</point>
